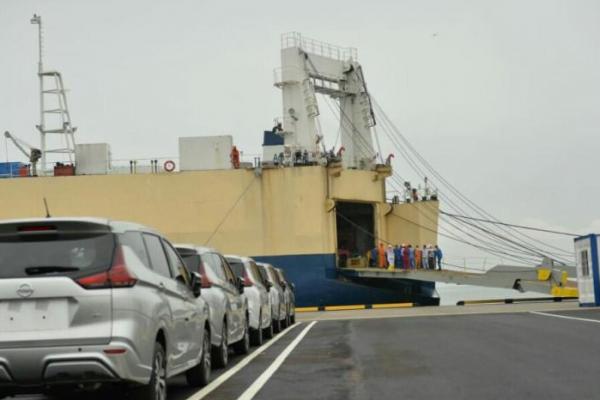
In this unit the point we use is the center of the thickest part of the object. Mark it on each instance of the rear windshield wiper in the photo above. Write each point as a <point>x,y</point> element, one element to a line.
<point>48,269</point>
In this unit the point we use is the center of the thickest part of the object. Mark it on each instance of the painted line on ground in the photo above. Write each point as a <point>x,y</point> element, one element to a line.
<point>205,391</point>
<point>268,373</point>
<point>564,317</point>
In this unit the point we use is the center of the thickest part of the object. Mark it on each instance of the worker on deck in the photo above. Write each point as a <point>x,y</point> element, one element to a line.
<point>425,257</point>
<point>397,257</point>
<point>418,257</point>
<point>406,258</point>
<point>390,257</point>
<point>373,258</point>
<point>411,256</point>
<point>381,256</point>
<point>235,157</point>
<point>431,257</point>
<point>438,257</point>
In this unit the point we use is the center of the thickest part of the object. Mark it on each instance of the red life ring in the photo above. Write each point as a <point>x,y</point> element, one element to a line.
<point>169,166</point>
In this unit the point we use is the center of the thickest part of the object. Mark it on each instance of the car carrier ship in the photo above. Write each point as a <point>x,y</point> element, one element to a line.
<point>298,207</point>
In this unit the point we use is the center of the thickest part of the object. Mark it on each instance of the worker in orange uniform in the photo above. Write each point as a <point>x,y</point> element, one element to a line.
<point>381,256</point>
<point>235,157</point>
<point>418,256</point>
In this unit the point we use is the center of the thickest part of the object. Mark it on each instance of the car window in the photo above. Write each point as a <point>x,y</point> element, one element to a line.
<point>177,266</point>
<point>256,275</point>
<point>237,267</point>
<point>213,262</point>
<point>134,241</point>
<point>231,277</point>
<point>158,259</point>
<point>263,273</point>
<point>192,261</point>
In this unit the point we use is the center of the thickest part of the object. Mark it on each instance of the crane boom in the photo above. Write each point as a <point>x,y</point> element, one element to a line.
<point>32,153</point>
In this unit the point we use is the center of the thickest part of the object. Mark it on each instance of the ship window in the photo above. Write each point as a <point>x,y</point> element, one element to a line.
<point>355,232</point>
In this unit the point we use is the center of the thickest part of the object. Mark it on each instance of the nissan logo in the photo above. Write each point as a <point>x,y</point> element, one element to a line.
<point>25,290</point>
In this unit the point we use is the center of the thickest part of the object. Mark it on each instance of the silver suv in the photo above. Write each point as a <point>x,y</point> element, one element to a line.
<point>276,295</point>
<point>289,290</point>
<point>86,302</point>
<point>257,292</point>
<point>222,290</point>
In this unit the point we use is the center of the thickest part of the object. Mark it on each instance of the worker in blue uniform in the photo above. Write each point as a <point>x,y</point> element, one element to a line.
<point>438,257</point>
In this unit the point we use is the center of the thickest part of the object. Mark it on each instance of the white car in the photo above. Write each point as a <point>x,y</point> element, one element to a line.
<point>222,290</point>
<point>289,290</point>
<point>257,292</point>
<point>276,295</point>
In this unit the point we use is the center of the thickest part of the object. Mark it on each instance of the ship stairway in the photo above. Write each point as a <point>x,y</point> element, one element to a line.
<point>554,280</point>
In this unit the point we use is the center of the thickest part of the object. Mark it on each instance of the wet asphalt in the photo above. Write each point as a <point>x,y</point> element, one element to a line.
<point>485,356</point>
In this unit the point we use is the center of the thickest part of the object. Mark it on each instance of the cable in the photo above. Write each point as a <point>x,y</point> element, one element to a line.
<point>229,212</point>
<point>513,225</point>
<point>414,165</point>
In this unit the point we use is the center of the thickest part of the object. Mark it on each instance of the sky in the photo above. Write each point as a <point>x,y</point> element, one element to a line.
<point>501,97</point>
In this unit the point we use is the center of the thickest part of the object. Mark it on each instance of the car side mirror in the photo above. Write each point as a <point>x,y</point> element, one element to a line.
<point>196,284</point>
<point>240,285</point>
<point>293,285</point>
<point>268,285</point>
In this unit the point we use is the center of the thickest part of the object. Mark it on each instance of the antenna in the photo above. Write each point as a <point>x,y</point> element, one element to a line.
<point>47,210</point>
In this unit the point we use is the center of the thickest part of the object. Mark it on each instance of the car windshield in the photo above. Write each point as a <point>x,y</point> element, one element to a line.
<point>53,254</point>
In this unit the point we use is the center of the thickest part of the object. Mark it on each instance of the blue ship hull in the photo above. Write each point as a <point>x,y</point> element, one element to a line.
<point>319,284</point>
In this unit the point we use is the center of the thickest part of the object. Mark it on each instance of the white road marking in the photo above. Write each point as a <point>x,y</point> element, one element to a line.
<point>265,376</point>
<point>202,393</point>
<point>565,317</point>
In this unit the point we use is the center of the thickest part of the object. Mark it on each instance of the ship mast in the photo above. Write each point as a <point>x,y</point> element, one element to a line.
<point>62,124</point>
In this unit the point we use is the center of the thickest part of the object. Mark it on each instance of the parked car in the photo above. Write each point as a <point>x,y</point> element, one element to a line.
<point>276,295</point>
<point>257,292</point>
<point>222,289</point>
<point>85,302</point>
<point>290,296</point>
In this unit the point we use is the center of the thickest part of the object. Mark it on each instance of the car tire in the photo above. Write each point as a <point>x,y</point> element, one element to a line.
<point>156,389</point>
<point>220,354</point>
<point>293,318</point>
<point>256,335</point>
<point>243,346</point>
<point>268,331</point>
<point>200,375</point>
<point>276,324</point>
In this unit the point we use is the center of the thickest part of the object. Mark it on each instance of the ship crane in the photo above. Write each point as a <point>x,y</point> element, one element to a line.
<point>32,153</point>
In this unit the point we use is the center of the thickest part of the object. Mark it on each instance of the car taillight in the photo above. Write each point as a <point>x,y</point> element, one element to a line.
<point>118,276</point>
<point>247,281</point>
<point>205,283</point>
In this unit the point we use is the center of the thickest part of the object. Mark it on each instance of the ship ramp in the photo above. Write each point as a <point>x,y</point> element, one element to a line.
<point>555,281</point>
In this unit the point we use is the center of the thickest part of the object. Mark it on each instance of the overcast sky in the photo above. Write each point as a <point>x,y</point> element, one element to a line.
<point>502,97</point>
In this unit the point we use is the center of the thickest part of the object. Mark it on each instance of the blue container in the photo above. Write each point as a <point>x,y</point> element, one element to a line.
<point>10,169</point>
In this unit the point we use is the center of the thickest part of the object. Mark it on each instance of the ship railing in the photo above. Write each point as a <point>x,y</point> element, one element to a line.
<point>318,47</point>
<point>153,165</point>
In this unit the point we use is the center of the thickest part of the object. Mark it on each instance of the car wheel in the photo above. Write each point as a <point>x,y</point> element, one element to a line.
<point>256,337</point>
<point>200,374</point>
<point>276,324</point>
<point>156,389</point>
<point>293,319</point>
<point>243,346</point>
<point>268,331</point>
<point>220,354</point>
